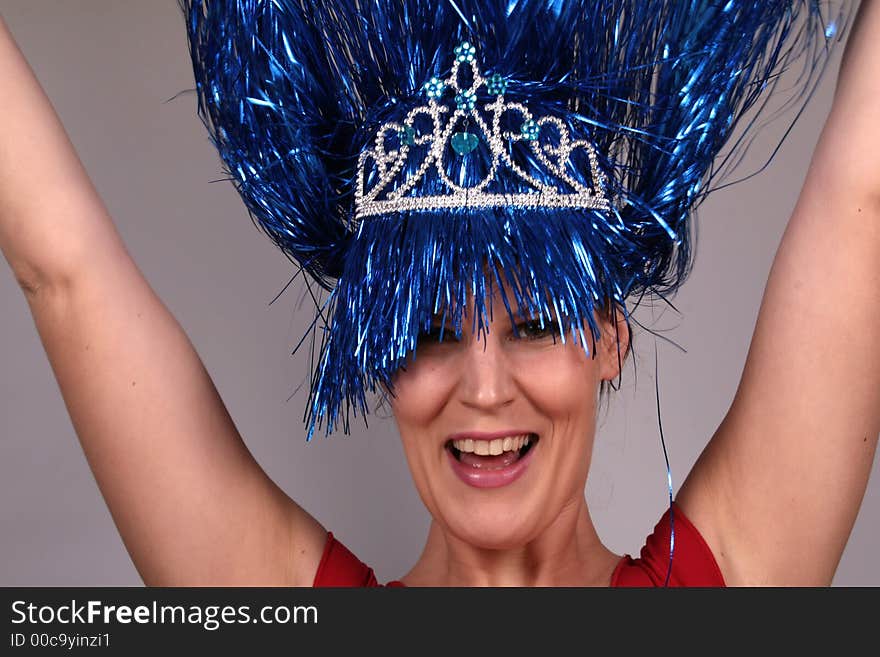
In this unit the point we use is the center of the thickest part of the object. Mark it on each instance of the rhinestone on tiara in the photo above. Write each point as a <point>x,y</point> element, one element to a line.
<point>381,198</point>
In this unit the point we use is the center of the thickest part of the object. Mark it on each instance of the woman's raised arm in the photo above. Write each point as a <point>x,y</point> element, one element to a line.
<point>190,502</point>
<point>778,488</point>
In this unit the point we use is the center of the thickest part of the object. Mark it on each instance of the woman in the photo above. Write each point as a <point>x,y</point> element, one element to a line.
<point>760,490</point>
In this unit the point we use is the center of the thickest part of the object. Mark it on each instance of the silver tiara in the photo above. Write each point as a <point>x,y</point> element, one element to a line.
<point>381,198</point>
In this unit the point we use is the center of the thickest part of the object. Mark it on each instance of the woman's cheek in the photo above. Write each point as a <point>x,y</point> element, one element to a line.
<point>556,374</point>
<point>423,386</point>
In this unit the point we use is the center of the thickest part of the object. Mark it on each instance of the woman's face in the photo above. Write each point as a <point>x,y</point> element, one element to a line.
<point>460,402</point>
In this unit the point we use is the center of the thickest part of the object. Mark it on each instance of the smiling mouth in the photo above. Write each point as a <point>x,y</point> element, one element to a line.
<point>492,454</point>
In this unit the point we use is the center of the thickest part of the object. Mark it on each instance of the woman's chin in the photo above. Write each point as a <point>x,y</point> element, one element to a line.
<point>492,530</point>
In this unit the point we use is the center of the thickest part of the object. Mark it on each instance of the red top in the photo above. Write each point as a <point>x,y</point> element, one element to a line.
<point>692,561</point>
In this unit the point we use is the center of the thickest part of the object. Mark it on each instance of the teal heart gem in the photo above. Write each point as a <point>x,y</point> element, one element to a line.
<point>407,135</point>
<point>464,142</point>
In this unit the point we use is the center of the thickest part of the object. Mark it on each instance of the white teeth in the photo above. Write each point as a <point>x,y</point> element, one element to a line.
<point>493,447</point>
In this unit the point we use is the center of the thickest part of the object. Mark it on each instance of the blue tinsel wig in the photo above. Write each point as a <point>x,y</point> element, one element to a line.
<point>666,91</point>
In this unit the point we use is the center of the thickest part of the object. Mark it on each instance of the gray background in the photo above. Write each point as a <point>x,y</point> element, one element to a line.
<point>109,67</point>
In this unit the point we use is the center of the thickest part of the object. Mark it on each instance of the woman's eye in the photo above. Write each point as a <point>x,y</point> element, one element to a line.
<point>435,333</point>
<point>534,331</point>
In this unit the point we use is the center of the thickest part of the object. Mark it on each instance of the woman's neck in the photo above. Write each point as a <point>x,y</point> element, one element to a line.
<point>567,553</point>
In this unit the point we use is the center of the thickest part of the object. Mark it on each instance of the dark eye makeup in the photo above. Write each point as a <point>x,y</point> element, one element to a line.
<point>529,330</point>
<point>434,335</point>
<point>532,330</point>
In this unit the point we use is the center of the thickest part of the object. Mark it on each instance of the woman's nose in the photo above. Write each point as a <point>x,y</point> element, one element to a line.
<point>486,378</point>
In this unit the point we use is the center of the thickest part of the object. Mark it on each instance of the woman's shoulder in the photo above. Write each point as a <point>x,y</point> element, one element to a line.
<point>674,537</point>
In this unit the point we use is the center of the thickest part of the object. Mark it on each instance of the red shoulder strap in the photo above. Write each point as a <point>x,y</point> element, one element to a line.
<point>692,561</point>
<point>339,567</point>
